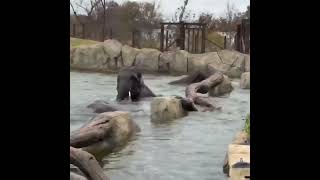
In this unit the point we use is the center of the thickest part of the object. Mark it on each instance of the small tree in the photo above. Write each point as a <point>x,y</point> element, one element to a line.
<point>230,16</point>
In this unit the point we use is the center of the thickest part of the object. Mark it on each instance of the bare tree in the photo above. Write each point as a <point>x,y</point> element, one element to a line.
<point>75,13</point>
<point>181,11</point>
<point>103,3</point>
<point>230,14</point>
<point>88,6</point>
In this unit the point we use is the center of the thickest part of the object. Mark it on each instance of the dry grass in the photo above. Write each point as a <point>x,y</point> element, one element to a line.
<point>215,37</point>
<point>76,42</point>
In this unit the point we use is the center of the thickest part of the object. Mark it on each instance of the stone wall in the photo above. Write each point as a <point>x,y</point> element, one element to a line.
<point>111,55</point>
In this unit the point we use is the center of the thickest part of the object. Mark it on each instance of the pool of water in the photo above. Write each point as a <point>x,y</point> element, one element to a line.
<point>189,148</point>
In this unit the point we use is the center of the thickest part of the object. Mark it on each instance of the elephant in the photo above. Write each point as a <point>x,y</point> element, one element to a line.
<point>130,84</point>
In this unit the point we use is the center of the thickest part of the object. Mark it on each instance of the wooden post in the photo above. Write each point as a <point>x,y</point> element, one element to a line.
<point>193,40</point>
<point>238,35</point>
<point>74,30</point>
<point>161,37</point>
<point>225,42</point>
<point>188,39</point>
<point>133,40</point>
<point>167,34</point>
<point>247,36</point>
<point>197,40</point>
<point>203,43</point>
<point>182,35</point>
<point>83,31</point>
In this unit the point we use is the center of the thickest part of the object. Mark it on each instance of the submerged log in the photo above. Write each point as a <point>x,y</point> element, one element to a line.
<point>203,87</point>
<point>87,164</point>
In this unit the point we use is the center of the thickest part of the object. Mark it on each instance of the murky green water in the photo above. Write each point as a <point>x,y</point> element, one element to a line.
<point>185,149</point>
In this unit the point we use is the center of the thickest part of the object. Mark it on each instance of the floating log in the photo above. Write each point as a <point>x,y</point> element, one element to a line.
<point>87,164</point>
<point>90,134</point>
<point>203,87</point>
<point>105,133</point>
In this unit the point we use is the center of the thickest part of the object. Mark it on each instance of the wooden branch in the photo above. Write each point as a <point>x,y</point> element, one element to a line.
<point>203,87</point>
<point>87,164</point>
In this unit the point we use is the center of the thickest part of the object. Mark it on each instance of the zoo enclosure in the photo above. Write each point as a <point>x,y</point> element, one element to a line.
<point>242,38</point>
<point>135,38</point>
<point>185,36</point>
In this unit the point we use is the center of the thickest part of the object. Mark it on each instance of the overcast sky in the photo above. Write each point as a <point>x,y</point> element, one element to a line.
<point>168,7</point>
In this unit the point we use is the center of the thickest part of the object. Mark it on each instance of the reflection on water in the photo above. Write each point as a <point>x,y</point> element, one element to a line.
<point>189,148</point>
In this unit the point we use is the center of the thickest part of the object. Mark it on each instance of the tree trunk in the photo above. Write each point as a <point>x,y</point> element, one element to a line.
<point>104,20</point>
<point>203,87</point>
<point>87,164</point>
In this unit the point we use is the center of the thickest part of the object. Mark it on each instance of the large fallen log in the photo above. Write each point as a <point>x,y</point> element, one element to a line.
<point>105,133</point>
<point>87,164</point>
<point>203,87</point>
<point>90,133</point>
<point>195,76</point>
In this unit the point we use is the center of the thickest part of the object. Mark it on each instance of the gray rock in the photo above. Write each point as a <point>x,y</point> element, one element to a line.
<point>224,88</point>
<point>148,59</point>
<point>166,109</point>
<point>128,55</point>
<point>245,80</point>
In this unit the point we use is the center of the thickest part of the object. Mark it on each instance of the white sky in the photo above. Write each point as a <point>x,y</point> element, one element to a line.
<point>168,7</point>
<point>217,7</point>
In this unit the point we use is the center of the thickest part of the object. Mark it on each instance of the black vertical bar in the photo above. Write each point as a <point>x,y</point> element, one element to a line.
<point>203,40</point>
<point>188,39</point>
<point>182,35</point>
<point>83,31</point>
<point>197,40</point>
<point>167,33</point>
<point>161,37</point>
<point>225,42</point>
<point>133,42</point>
<point>238,38</point>
<point>193,39</point>
<point>74,30</point>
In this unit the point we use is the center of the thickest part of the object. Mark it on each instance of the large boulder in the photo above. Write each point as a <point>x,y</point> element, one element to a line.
<point>166,109</point>
<point>200,61</point>
<point>221,89</point>
<point>92,57</point>
<point>118,128</point>
<point>113,49</point>
<point>71,54</point>
<point>165,59</point>
<point>128,55</point>
<point>179,64</point>
<point>245,80</point>
<point>247,63</point>
<point>233,61</point>
<point>234,72</point>
<point>148,59</point>
<point>232,58</point>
